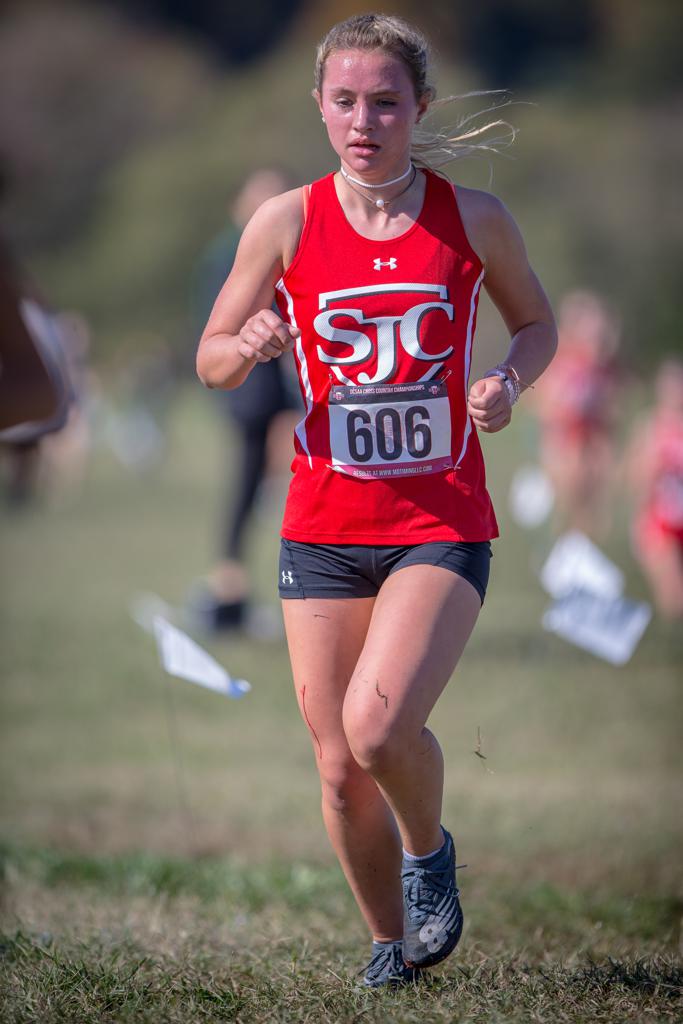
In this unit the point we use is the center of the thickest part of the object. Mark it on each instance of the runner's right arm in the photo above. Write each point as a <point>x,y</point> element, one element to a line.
<point>243,329</point>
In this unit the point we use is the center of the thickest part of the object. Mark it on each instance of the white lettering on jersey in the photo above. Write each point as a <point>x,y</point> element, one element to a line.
<point>391,263</point>
<point>390,329</point>
<point>359,342</point>
<point>410,330</point>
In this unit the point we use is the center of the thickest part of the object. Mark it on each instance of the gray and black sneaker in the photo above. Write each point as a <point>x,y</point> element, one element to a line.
<point>432,917</point>
<point>387,966</point>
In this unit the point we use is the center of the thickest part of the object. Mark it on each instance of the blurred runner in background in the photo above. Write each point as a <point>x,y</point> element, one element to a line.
<point>260,416</point>
<point>655,471</point>
<point>575,402</point>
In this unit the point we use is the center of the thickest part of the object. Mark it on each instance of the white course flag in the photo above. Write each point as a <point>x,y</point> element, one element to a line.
<point>182,657</point>
<point>607,627</point>
<point>576,563</point>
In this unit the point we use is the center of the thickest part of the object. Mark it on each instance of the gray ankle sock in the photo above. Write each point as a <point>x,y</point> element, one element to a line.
<point>412,859</point>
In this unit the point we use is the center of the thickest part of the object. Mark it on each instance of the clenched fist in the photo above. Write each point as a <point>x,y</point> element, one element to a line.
<point>488,403</point>
<point>266,336</point>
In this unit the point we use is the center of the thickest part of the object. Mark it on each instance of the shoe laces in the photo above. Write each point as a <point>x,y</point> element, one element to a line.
<point>386,962</point>
<point>424,888</point>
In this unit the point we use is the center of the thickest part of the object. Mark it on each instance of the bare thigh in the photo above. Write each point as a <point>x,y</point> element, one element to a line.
<point>325,638</point>
<point>422,619</point>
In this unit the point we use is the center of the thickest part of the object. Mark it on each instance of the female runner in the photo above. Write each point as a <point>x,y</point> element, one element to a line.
<point>577,405</point>
<point>655,469</point>
<point>376,271</point>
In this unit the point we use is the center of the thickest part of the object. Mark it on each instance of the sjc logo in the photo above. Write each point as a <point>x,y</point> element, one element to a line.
<point>390,329</point>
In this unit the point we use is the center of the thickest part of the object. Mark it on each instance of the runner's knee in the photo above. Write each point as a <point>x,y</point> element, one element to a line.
<point>343,783</point>
<point>377,751</point>
<point>376,741</point>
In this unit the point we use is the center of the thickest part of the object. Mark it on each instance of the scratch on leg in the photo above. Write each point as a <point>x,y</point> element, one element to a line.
<point>319,615</point>
<point>382,695</point>
<point>311,729</point>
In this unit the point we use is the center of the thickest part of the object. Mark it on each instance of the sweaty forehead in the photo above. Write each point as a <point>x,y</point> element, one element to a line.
<point>371,70</point>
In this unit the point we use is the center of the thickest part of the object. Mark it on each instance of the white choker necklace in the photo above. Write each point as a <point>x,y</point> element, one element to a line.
<point>382,204</point>
<point>382,184</point>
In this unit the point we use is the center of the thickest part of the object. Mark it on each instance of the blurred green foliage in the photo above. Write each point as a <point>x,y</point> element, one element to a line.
<point>157,140</point>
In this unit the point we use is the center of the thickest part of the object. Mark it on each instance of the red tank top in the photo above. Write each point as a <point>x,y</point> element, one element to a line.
<point>385,453</point>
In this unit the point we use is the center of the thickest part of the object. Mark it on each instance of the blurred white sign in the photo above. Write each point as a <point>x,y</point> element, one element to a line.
<point>532,496</point>
<point>609,628</point>
<point>576,563</point>
<point>182,657</point>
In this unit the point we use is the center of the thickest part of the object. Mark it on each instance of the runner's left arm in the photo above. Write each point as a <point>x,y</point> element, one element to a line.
<point>519,298</point>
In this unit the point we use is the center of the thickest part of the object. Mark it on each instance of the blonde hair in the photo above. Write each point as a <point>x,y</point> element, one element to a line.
<point>431,147</point>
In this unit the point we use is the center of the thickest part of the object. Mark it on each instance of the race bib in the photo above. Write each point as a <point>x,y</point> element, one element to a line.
<point>389,430</point>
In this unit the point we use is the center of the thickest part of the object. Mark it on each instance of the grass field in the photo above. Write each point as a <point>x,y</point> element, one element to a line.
<point>162,849</point>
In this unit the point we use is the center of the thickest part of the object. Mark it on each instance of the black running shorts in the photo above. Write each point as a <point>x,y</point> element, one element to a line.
<point>359,570</point>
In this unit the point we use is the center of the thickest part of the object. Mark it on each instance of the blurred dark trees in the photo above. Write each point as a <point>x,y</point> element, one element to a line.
<point>624,47</point>
<point>518,43</point>
<point>80,88</point>
<point>237,31</point>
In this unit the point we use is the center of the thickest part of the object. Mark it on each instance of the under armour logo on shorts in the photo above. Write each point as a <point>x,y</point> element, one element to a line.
<point>287,577</point>
<point>391,263</point>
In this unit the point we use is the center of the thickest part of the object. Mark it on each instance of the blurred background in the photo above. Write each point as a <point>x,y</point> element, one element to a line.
<point>128,130</point>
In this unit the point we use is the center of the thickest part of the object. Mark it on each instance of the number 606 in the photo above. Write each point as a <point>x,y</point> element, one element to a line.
<point>394,432</point>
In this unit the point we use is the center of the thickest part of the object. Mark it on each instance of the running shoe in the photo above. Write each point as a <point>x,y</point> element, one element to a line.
<point>432,917</point>
<point>387,966</point>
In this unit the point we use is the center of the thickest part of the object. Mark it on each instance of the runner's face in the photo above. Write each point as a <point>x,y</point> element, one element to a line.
<point>368,102</point>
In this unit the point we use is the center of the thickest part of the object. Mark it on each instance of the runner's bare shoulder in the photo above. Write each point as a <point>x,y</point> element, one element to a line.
<point>484,217</point>
<point>276,226</point>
